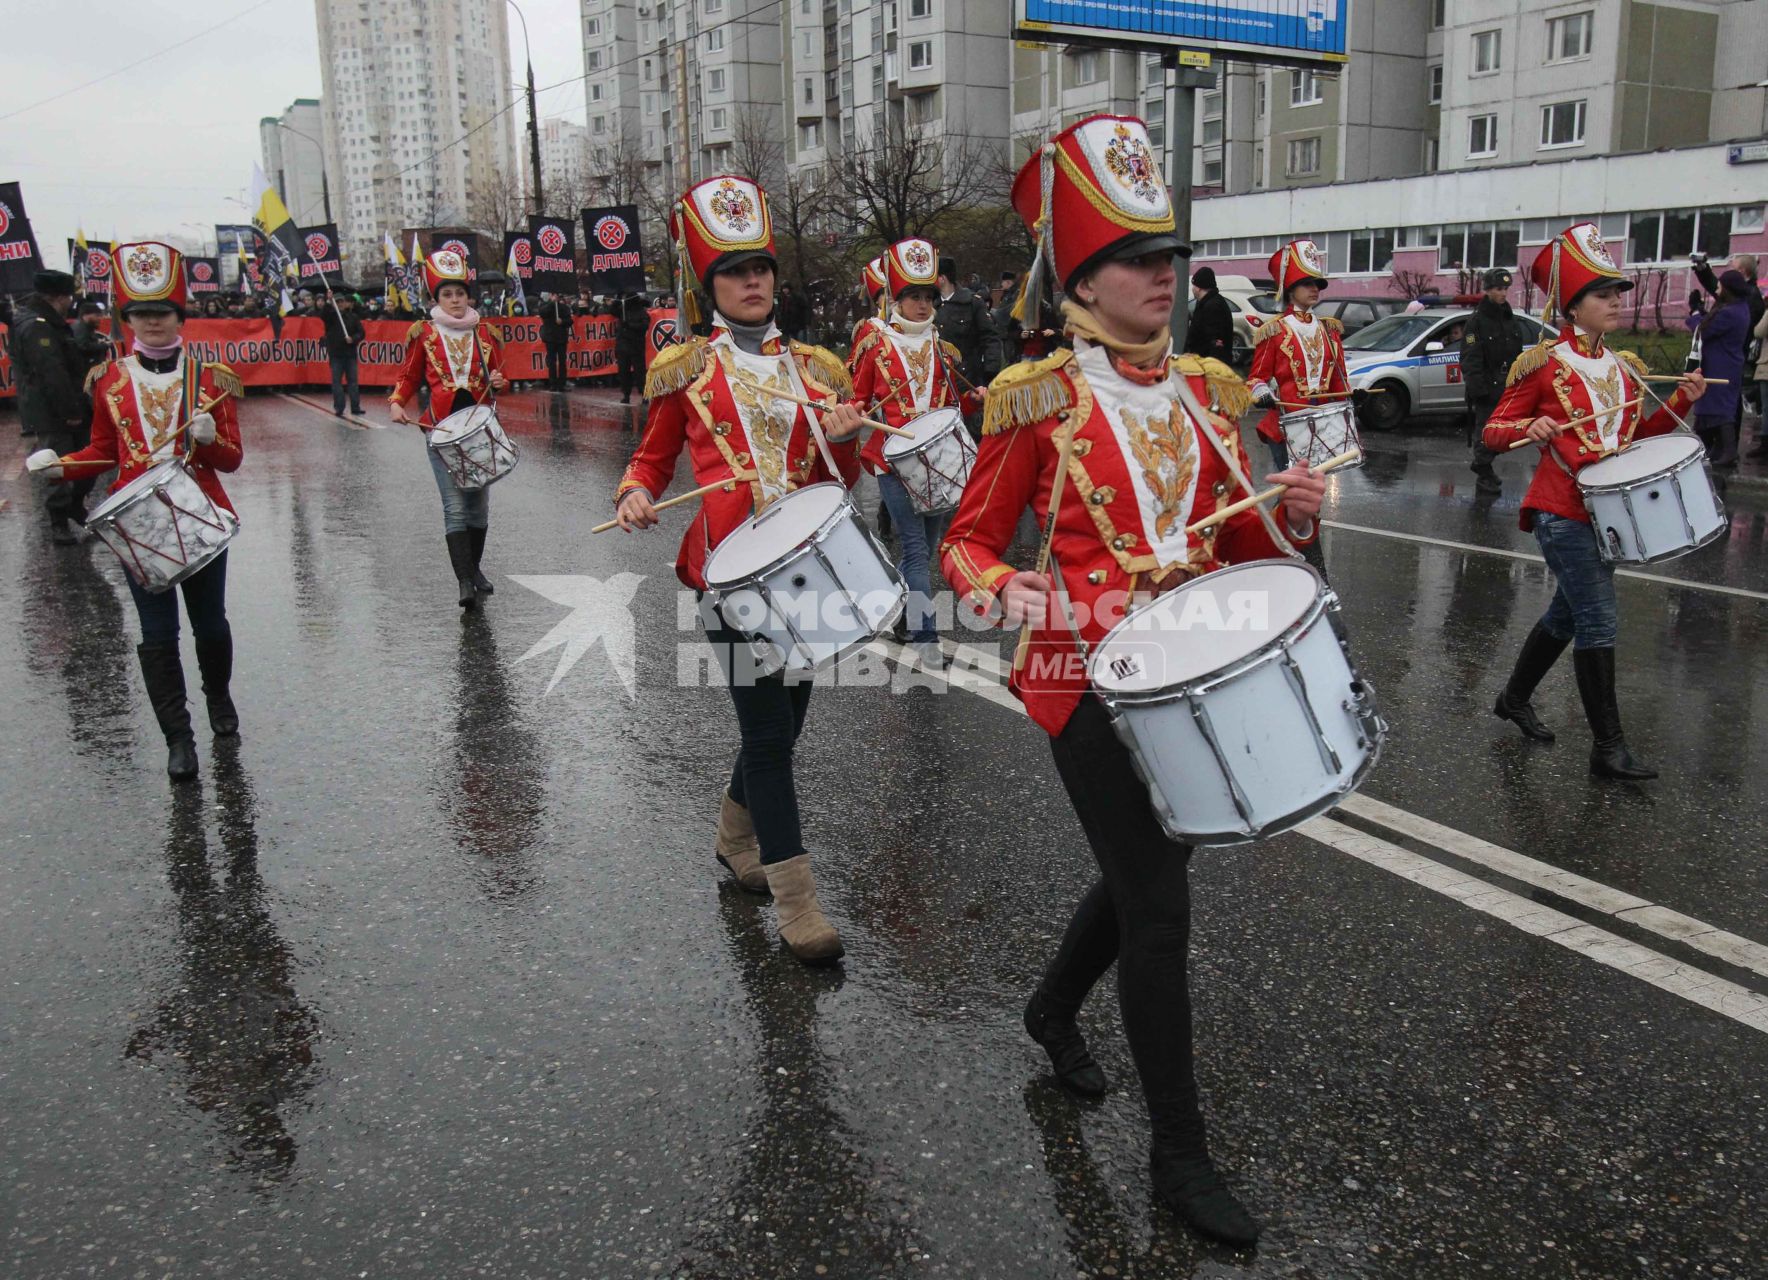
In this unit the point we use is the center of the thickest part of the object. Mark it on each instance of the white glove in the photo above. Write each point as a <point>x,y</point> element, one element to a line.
<point>46,463</point>
<point>1263,397</point>
<point>202,428</point>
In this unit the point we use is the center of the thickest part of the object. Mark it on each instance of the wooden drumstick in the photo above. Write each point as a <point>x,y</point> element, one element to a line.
<point>208,404</point>
<point>727,485</point>
<point>1043,555</point>
<point>1235,508</point>
<point>1683,377</point>
<point>1567,426</point>
<point>777,394</point>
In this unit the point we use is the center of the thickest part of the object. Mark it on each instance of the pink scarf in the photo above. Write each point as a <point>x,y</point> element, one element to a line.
<point>156,353</point>
<point>442,320</point>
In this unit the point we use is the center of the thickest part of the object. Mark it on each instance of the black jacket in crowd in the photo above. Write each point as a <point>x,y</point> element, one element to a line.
<point>964,322</point>
<point>49,370</point>
<point>632,320</point>
<point>1494,338</point>
<point>555,321</point>
<point>343,330</point>
<point>1211,331</point>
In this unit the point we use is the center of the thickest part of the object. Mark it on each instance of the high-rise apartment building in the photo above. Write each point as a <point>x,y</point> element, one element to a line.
<point>294,160</point>
<point>564,165</point>
<point>417,126</point>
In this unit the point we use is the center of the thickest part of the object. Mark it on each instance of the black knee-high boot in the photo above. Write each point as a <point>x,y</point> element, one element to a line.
<point>1609,757</point>
<point>481,583</point>
<point>460,556</point>
<point>214,658</point>
<point>163,674</point>
<point>1539,652</point>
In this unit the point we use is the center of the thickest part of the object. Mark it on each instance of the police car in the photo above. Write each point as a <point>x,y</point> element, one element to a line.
<point>1414,361</point>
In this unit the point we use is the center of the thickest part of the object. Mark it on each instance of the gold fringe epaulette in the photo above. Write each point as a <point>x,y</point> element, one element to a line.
<point>1027,392</point>
<point>1333,323</point>
<point>1227,390</point>
<point>1634,363</point>
<point>826,367</point>
<point>869,338</point>
<point>226,380</point>
<point>952,354</point>
<point>674,367</point>
<point>1268,330</point>
<point>95,373</point>
<point>415,332</point>
<point>1530,360</point>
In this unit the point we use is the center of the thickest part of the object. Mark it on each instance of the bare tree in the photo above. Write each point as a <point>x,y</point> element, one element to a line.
<point>1411,284</point>
<point>901,180</point>
<point>758,147</point>
<point>498,205</point>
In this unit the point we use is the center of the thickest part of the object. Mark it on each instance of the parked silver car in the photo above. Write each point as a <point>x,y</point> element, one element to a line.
<point>1414,361</point>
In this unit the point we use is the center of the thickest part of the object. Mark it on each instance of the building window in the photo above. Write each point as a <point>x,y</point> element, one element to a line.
<point>715,40</point>
<point>592,26</point>
<point>1212,118</point>
<point>1478,246</point>
<point>1304,157</point>
<point>1672,235</point>
<point>1086,67</point>
<point>1433,91</point>
<point>1258,164</point>
<point>1747,220</point>
<point>920,55</point>
<point>1570,37</point>
<point>1562,124</point>
<point>595,93</point>
<point>810,136</point>
<point>715,80</point>
<point>1259,96</point>
<point>1432,155</point>
<point>920,8</point>
<point>809,90</point>
<point>1360,252</point>
<point>599,125</point>
<point>1304,88</point>
<point>923,107</point>
<point>1485,52</point>
<point>714,6</point>
<point>1212,173</point>
<point>647,69</point>
<point>1154,116</point>
<point>592,59</point>
<point>649,101</point>
<point>1482,136</point>
<point>719,115</point>
<point>1437,14</point>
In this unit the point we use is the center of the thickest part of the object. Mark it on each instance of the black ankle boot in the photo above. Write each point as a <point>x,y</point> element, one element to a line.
<point>1062,1040</point>
<point>481,583</point>
<point>1609,757</point>
<point>1539,652</point>
<point>1190,1186</point>
<point>214,659</point>
<point>460,556</point>
<point>163,674</point>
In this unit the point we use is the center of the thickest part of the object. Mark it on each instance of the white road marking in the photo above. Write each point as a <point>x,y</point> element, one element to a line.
<point>982,671</point>
<point>1524,555</point>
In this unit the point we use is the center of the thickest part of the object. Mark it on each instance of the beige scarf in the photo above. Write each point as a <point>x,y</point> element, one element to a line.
<point>1144,355</point>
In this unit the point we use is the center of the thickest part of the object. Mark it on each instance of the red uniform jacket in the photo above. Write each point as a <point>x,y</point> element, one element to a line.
<point>692,404</point>
<point>1278,364</point>
<point>426,360</point>
<point>882,388</point>
<point>118,429</point>
<point>1544,381</point>
<point>1101,531</point>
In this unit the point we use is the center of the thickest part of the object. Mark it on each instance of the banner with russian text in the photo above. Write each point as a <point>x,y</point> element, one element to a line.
<point>615,249</point>
<point>203,275</point>
<point>555,261</point>
<point>19,260</point>
<point>321,260</point>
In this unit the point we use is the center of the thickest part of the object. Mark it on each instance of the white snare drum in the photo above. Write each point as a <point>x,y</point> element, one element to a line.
<point>1653,500</point>
<point>1321,432</point>
<point>473,446</point>
<point>1239,703</point>
<point>934,463</point>
<point>805,580</point>
<point>162,526</point>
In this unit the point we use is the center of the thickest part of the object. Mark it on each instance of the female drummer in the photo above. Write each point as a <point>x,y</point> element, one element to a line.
<point>1299,357</point>
<point>710,396</point>
<point>461,359</point>
<point>1572,396</point>
<point>901,369</point>
<point>155,404</point>
<point>1143,465</point>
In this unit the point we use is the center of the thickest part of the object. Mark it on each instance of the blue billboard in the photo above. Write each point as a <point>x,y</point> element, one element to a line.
<point>1279,30</point>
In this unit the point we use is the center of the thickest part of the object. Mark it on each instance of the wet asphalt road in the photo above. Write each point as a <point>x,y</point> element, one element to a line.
<point>433,974</point>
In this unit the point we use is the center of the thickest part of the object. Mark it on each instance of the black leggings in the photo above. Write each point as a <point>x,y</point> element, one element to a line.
<point>1137,913</point>
<point>770,716</point>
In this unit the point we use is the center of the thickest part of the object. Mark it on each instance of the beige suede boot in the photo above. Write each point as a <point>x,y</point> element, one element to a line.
<point>737,846</point>
<point>803,925</point>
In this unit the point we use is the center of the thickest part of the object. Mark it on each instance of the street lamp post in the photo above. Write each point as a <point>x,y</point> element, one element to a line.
<point>533,117</point>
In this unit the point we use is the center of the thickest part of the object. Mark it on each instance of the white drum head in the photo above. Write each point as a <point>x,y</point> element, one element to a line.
<point>147,480</point>
<point>457,426</point>
<point>765,539</point>
<point>926,428</point>
<point>1640,459</point>
<point>1204,626</point>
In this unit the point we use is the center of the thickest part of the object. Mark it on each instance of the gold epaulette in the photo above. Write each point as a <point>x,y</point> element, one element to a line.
<point>868,337</point>
<point>1027,392</point>
<point>415,332</point>
<point>1530,360</point>
<point>1268,330</point>
<point>95,373</point>
<point>826,367</point>
<point>226,380</point>
<point>951,353</point>
<point>1226,389</point>
<point>1634,363</point>
<point>674,367</point>
<point>1333,323</point>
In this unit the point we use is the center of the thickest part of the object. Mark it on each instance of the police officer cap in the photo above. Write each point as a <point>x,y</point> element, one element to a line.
<point>1497,278</point>
<point>53,284</point>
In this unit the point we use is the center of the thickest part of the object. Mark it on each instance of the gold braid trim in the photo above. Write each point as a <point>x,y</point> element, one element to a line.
<point>1333,323</point>
<point>674,367</point>
<point>226,380</point>
<point>1268,330</point>
<point>1531,359</point>
<point>1634,363</point>
<point>95,373</point>
<point>871,339</point>
<point>1027,392</point>
<point>1230,394</point>
<point>952,354</point>
<point>826,367</point>
<point>415,332</point>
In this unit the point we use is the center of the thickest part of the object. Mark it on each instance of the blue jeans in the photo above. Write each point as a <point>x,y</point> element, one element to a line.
<point>343,370</point>
<point>1583,607</point>
<point>205,600</point>
<point>1279,454</point>
<point>461,508</point>
<point>919,535</point>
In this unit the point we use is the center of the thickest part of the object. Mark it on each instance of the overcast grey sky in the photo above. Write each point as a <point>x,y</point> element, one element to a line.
<point>172,141</point>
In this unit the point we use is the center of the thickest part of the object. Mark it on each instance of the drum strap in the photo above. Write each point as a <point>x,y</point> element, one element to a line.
<point>1206,429</point>
<point>193,386</point>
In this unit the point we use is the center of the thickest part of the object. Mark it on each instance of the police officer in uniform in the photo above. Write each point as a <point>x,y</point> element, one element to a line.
<point>51,405</point>
<point>1495,336</point>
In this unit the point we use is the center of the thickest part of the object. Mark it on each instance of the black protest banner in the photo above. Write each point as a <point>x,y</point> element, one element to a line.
<point>555,261</point>
<point>19,259</point>
<point>518,247</point>
<point>465,243</point>
<point>616,251</point>
<point>92,266</point>
<point>203,275</point>
<point>319,257</point>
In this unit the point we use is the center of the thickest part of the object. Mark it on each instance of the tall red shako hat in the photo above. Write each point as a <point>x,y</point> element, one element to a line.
<point>1577,260</point>
<point>1298,262</point>
<point>910,264</point>
<point>717,224</point>
<point>1092,193</point>
<point>148,276</point>
<point>873,279</point>
<point>444,266</point>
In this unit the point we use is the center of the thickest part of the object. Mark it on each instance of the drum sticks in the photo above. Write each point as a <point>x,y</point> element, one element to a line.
<point>777,394</point>
<point>726,484</point>
<point>1235,508</point>
<point>1043,555</point>
<point>1631,404</point>
<point>204,407</point>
